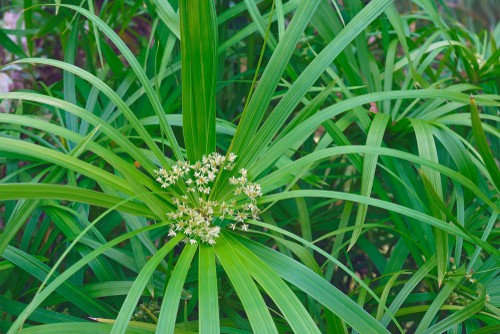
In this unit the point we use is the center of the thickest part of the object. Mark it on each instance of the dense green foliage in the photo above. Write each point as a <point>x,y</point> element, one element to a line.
<point>356,189</point>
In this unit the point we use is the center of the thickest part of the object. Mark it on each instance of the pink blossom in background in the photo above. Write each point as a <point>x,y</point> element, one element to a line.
<point>6,84</point>
<point>11,77</point>
<point>9,21</point>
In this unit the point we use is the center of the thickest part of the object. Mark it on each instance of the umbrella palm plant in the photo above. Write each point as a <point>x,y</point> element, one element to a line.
<point>203,214</point>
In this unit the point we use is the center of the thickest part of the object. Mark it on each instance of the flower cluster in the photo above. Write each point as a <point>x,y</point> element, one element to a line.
<point>252,191</point>
<point>198,217</point>
<point>194,222</point>
<point>147,312</point>
<point>204,172</point>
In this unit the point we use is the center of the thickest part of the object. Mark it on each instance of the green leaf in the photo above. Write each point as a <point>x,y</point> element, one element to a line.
<point>482,144</point>
<point>113,96</point>
<point>318,288</point>
<point>199,59</point>
<point>286,173</point>
<point>253,303</point>
<point>69,193</point>
<point>69,84</point>
<point>409,286</point>
<point>10,46</point>
<point>486,233</point>
<point>41,153</point>
<point>457,317</point>
<point>440,205</point>
<point>375,136</point>
<point>259,102</point>
<point>397,23</point>
<point>492,329</point>
<point>94,120</point>
<point>439,300</point>
<point>94,30</point>
<point>259,140</point>
<point>141,75</point>
<point>39,270</point>
<point>41,315</point>
<point>170,304</point>
<point>25,208</point>
<point>308,126</point>
<point>63,277</point>
<point>82,328</point>
<point>291,307</point>
<point>207,285</point>
<point>419,216</point>
<point>168,15</point>
<point>427,149</point>
<point>253,10</point>
<point>136,291</point>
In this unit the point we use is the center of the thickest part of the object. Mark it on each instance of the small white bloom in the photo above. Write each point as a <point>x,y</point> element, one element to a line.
<point>241,216</point>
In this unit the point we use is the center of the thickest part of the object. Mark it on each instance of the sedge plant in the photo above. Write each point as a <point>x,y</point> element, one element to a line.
<point>272,166</point>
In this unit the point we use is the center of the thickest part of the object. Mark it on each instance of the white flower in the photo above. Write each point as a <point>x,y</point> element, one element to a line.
<point>201,180</point>
<point>231,157</point>
<point>241,216</point>
<point>196,216</point>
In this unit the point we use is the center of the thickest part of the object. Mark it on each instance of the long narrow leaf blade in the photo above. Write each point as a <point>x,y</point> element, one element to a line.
<point>170,305</point>
<point>248,292</point>
<point>199,75</point>
<point>141,75</point>
<point>261,98</point>
<point>209,304</point>
<point>482,144</point>
<point>375,136</point>
<point>318,288</point>
<point>137,288</point>
<point>291,307</point>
